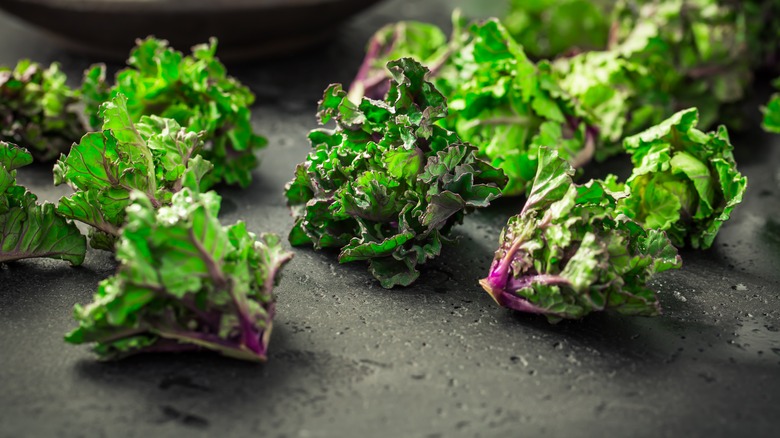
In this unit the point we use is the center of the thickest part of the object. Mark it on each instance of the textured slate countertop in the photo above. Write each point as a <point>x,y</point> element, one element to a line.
<point>439,359</point>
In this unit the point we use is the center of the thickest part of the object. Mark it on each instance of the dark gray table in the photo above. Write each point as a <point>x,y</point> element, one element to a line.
<point>438,359</point>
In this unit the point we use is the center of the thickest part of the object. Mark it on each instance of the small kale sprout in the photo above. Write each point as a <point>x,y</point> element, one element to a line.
<point>28,229</point>
<point>509,106</point>
<point>388,184</point>
<point>184,283</point>
<point>38,109</point>
<point>684,181</point>
<point>196,92</point>
<point>154,155</point>
<point>695,51</point>
<point>551,28</point>
<point>569,253</point>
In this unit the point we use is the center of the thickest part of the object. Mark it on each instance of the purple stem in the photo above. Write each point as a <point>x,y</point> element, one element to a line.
<point>510,300</point>
<point>249,337</point>
<point>613,40</point>
<point>586,154</point>
<point>362,83</point>
<point>205,340</point>
<point>499,272</point>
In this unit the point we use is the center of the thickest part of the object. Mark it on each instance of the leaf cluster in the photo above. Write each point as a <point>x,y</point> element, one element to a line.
<point>388,183</point>
<point>37,109</point>
<point>193,90</point>
<point>549,28</point>
<point>570,252</point>
<point>684,181</point>
<point>153,155</point>
<point>184,282</point>
<point>697,51</point>
<point>509,106</point>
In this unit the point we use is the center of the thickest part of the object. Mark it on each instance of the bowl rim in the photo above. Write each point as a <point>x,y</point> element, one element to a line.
<point>168,5</point>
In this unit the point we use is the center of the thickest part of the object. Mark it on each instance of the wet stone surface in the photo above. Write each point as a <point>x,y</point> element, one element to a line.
<point>438,359</point>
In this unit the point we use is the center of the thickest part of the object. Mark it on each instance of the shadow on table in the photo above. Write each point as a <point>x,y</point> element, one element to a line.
<point>201,390</point>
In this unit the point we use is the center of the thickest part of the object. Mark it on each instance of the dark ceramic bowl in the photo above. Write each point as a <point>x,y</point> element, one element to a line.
<point>245,28</point>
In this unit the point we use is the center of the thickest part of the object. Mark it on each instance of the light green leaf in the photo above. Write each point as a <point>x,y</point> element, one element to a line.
<point>184,283</point>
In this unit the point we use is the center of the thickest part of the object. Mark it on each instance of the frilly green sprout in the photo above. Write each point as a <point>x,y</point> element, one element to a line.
<point>193,90</point>
<point>38,109</point>
<point>388,183</point>
<point>684,181</point>
<point>154,155</point>
<point>569,252</point>
<point>184,283</point>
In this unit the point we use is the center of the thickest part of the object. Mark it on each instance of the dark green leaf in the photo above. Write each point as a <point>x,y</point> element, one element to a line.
<point>388,183</point>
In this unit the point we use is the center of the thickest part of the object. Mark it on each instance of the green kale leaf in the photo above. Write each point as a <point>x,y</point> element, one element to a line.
<point>499,100</point>
<point>771,122</point>
<point>684,181</point>
<point>184,283</point>
<point>37,109</point>
<point>28,229</point>
<point>548,28</point>
<point>154,155</point>
<point>508,106</point>
<point>196,92</point>
<point>762,21</point>
<point>694,49</point>
<point>424,42</point>
<point>617,97</point>
<point>569,252</point>
<point>388,184</point>
<point>660,56</point>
